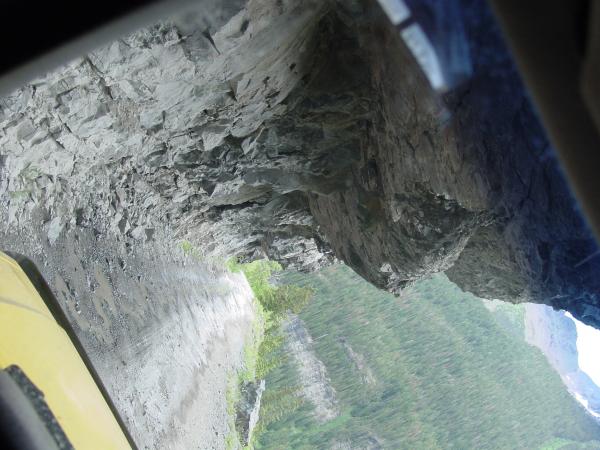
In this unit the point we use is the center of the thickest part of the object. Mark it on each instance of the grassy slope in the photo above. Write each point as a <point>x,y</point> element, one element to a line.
<point>449,375</point>
<point>262,353</point>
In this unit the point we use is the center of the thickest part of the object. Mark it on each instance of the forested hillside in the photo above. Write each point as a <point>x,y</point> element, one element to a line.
<point>433,369</point>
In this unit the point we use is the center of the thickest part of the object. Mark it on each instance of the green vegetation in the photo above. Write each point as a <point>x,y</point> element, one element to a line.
<point>510,317</point>
<point>29,173</point>
<point>26,177</point>
<point>565,444</point>
<point>232,396</point>
<point>264,352</point>
<point>18,195</point>
<point>448,374</point>
<point>190,250</point>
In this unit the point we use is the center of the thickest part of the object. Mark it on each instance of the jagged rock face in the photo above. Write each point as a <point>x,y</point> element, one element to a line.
<point>175,128</point>
<point>465,184</point>
<point>300,130</point>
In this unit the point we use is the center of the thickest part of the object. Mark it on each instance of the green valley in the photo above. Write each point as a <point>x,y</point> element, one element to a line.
<point>432,369</point>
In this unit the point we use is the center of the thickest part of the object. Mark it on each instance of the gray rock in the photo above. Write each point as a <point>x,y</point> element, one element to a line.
<point>301,130</point>
<point>54,229</point>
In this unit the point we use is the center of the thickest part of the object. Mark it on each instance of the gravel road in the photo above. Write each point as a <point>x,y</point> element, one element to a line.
<point>162,329</point>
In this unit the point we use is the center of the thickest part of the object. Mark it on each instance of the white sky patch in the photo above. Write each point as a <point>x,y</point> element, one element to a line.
<point>588,348</point>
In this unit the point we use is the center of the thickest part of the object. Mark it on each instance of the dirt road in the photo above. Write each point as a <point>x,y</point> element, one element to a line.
<point>163,329</point>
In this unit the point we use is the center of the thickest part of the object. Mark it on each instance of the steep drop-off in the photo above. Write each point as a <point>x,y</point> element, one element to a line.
<point>301,130</point>
<point>430,370</point>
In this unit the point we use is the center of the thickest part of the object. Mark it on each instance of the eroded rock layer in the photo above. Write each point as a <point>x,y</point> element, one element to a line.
<point>301,130</point>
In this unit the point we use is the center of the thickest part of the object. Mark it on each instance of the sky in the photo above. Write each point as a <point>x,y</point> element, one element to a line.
<point>588,348</point>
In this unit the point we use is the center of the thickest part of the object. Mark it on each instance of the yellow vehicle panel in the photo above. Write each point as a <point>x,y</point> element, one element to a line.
<point>31,338</point>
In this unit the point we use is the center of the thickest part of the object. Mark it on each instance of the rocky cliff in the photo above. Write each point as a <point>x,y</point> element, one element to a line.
<point>301,130</point>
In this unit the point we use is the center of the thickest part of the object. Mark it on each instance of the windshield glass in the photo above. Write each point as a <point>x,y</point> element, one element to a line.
<point>314,225</point>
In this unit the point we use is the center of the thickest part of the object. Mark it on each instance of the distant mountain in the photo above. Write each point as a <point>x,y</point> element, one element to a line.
<point>433,369</point>
<point>555,334</point>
